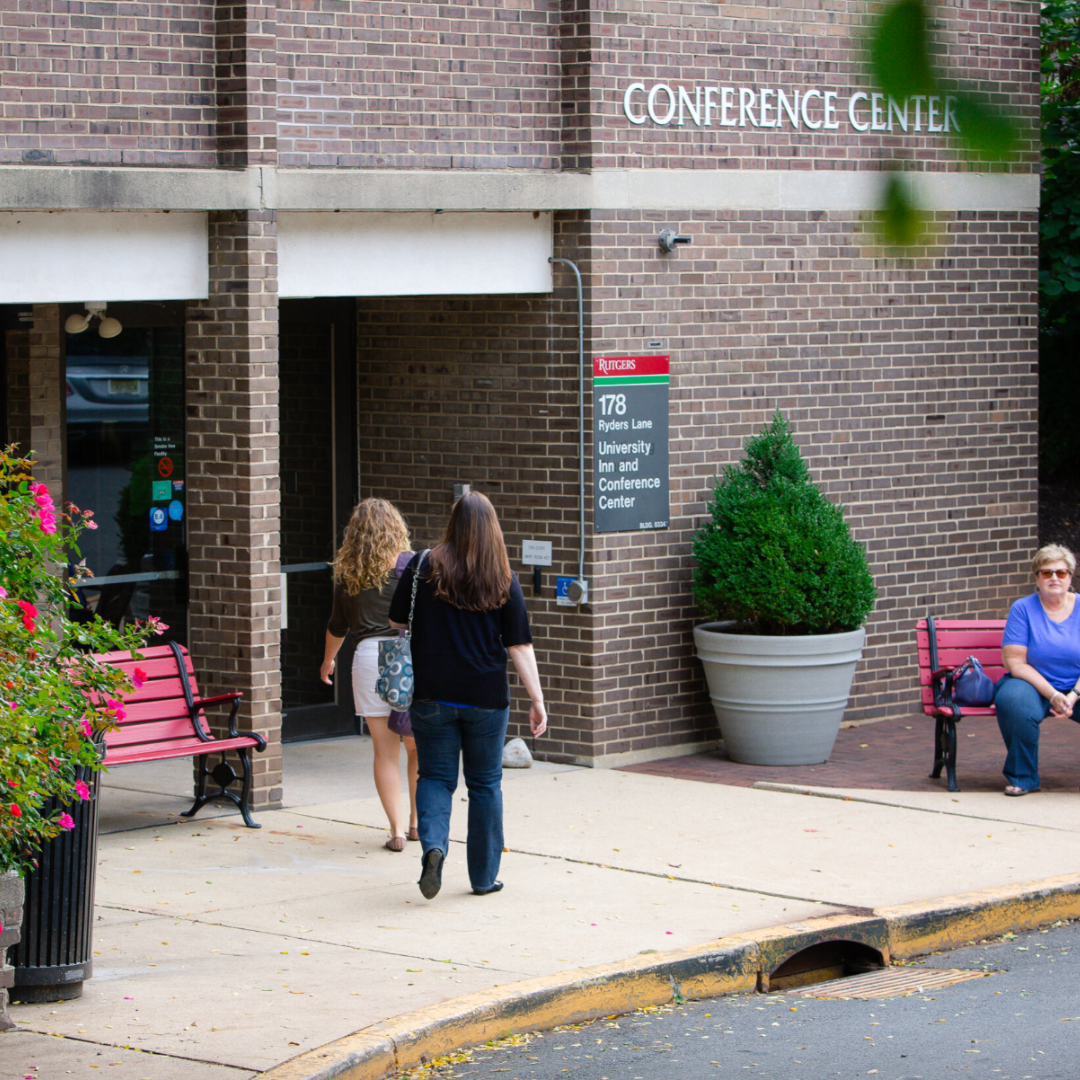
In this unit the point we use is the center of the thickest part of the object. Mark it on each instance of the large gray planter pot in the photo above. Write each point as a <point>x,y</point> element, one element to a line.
<point>11,903</point>
<point>778,700</point>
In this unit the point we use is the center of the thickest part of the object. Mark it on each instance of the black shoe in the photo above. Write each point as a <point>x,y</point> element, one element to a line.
<point>496,887</point>
<point>431,874</point>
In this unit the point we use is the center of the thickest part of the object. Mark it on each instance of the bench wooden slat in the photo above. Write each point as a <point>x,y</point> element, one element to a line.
<point>149,732</point>
<point>188,748</point>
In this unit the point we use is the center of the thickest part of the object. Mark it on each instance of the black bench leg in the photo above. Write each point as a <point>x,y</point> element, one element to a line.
<point>223,775</point>
<point>939,753</point>
<point>245,790</point>
<point>945,751</point>
<point>950,753</point>
<point>201,798</point>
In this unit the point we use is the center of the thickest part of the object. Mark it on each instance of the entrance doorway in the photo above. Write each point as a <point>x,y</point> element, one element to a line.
<point>124,430</point>
<point>317,372</point>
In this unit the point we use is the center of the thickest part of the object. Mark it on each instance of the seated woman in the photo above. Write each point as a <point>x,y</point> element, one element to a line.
<point>1041,652</point>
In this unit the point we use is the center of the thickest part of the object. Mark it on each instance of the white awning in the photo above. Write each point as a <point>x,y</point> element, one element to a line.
<point>362,253</point>
<point>73,256</point>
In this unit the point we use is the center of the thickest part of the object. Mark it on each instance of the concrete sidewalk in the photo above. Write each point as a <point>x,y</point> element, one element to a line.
<point>223,951</point>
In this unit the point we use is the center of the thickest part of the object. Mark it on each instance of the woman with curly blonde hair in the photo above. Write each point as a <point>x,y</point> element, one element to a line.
<point>372,556</point>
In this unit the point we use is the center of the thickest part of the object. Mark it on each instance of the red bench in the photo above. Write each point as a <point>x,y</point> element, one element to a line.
<point>165,719</point>
<point>945,644</point>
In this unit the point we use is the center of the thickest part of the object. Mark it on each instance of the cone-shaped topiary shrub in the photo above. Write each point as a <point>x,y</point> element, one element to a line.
<point>776,556</point>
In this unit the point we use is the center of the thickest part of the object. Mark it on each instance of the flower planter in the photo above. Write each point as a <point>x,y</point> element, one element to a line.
<point>778,700</point>
<point>11,902</point>
<point>55,954</point>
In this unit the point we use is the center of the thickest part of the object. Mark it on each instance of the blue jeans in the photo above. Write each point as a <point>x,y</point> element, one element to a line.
<point>1020,711</point>
<point>443,733</point>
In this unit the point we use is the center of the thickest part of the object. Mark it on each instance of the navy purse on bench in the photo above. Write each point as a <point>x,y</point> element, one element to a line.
<point>971,685</point>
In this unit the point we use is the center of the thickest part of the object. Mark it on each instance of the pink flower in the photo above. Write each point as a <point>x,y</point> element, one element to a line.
<point>138,677</point>
<point>91,524</point>
<point>13,783</point>
<point>82,790</point>
<point>66,821</point>
<point>156,625</point>
<point>117,707</point>
<point>3,593</point>
<point>15,811</point>
<point>88,731</point>
<point>29,614</point>
<point>46,509</point>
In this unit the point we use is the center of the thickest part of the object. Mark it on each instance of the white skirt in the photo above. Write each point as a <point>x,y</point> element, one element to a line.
<point>365,673</point>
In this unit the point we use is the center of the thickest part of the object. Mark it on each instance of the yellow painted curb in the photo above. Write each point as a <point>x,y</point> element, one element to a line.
<point>729,965</point>
<point>916,929</point>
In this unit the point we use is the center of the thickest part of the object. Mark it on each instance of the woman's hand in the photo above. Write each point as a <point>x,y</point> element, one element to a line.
<point>326,671</point>
<point>1062,704</point>
<point>537,718</point>
<point>524,660</point>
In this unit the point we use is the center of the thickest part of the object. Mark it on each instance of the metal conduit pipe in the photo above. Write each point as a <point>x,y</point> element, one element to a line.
<point>581,409</point>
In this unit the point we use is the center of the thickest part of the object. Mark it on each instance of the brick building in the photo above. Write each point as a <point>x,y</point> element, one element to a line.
<point>325,227</point>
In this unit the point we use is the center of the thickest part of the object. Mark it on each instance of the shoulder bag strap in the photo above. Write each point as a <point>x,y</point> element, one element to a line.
<point>412,601</point>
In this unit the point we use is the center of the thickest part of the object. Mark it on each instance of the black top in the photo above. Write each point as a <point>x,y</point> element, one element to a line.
<point>460,656</point>
<point>366,614</point>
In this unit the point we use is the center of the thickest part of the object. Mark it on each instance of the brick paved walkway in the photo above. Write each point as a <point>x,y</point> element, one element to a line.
<point>895,755</point>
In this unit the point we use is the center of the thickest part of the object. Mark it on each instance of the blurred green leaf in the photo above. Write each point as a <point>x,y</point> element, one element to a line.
<point>900,50</point>
<point>899,218</point>
<point>986,130</point>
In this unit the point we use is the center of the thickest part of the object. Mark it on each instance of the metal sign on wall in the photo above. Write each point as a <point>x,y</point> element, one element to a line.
<point>630,443</point>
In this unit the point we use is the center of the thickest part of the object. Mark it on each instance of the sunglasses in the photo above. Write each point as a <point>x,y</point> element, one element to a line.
<point>1047,574</point>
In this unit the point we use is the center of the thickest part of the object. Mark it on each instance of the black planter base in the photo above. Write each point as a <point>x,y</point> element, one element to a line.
<point>58,982</point>
<point>39,995</point>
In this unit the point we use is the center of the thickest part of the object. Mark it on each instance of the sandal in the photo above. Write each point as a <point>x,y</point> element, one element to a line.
<point>1014,791</point>
<point>395,843</point>
<point>412,834</point>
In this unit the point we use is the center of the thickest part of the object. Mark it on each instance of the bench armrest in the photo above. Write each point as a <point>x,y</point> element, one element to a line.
<point>216,700</point>
<point>198,704</point>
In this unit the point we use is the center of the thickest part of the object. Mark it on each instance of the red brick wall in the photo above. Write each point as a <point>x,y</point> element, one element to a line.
<point>106,82</point>
<point>994,46</point>
<point>909,384</point>
<point>473,84</point>
<point>531,84</point>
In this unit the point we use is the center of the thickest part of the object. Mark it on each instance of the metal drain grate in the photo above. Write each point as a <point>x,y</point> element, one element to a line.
<point>889,982</point>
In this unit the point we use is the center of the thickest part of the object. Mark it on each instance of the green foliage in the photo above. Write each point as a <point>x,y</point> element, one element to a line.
<point>1059,227</point>
<point>899,218</point>
<point>901,49</point>
<point>776,556</point>
<point>54,699</point>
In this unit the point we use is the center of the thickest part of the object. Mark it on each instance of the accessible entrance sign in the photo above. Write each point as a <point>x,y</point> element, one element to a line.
<point>630,443</point>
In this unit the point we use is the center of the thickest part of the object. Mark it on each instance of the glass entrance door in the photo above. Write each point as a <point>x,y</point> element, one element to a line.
<point>317,371</point>
<point>125,462</point>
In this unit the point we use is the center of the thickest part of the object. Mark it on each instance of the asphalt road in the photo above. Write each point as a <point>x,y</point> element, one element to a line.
<point>1020,1023</point>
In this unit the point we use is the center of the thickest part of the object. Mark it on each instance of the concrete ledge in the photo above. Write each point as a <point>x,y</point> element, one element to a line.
<point>729,965</point>
<point>49,187</point>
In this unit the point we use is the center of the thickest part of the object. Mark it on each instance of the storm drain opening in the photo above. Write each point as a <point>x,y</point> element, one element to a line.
<point>891,982</point>
<point>823,962</point>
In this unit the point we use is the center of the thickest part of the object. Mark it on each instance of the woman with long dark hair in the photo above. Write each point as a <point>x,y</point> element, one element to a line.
<point>470,613</point>
<point>376,542</point>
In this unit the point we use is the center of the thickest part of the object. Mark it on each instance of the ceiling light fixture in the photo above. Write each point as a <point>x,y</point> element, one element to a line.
<point>108,327</point>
